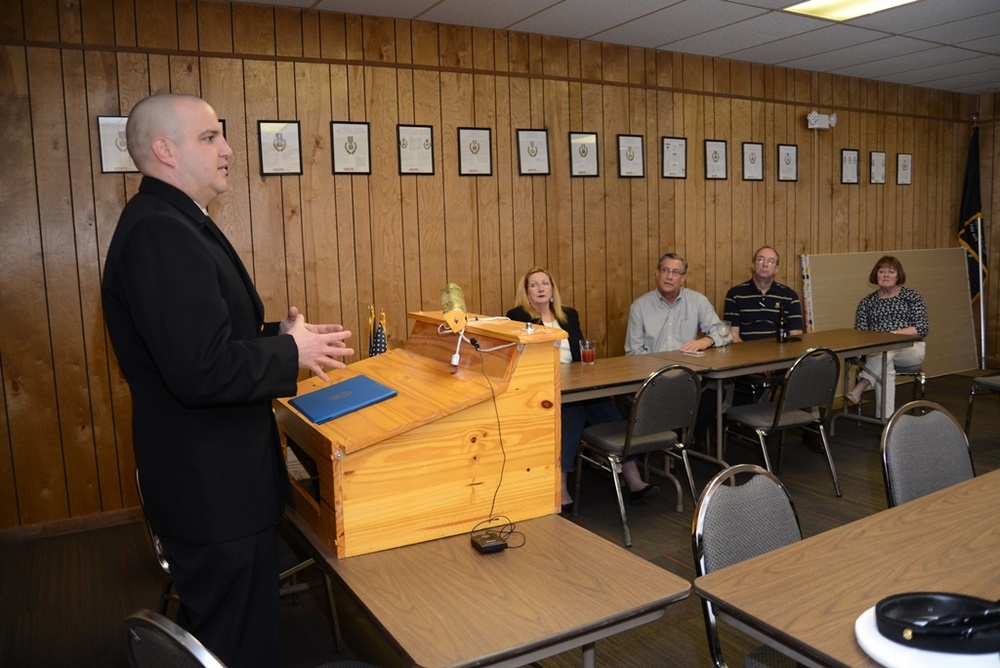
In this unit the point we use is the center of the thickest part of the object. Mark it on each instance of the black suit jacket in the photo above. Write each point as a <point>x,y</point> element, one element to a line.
<point>571,326</point>
<point>188,329</point>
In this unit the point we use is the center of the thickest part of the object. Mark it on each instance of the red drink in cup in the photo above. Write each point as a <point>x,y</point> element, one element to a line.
<point>588,356</point>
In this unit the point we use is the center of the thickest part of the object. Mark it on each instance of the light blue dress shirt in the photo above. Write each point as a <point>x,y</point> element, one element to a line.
<point>654,326</point>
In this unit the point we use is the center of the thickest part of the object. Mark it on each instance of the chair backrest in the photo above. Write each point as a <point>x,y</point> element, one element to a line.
<point>667,401</point>
<point>733,523</point>
<point>924,449</point>
<point>811,381</point>
<point>153,641</point>
<point>736,523</point>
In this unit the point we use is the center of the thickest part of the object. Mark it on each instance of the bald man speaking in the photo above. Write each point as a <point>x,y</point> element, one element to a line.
<point>203,365</point>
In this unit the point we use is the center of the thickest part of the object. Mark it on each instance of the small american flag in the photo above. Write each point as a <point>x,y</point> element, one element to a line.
<point>378,343</point>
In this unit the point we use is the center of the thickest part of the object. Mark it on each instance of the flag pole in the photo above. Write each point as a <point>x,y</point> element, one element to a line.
<point>982,301</point>
<point>970,222</point>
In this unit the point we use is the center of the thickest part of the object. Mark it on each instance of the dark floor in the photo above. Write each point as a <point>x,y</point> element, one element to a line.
<point>62,598</point>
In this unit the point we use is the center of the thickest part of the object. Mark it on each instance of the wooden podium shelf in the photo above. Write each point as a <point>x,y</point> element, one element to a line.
<point>426,463</point>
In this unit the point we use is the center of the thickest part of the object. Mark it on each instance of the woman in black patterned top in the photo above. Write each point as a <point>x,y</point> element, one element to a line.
<point>891,308</point>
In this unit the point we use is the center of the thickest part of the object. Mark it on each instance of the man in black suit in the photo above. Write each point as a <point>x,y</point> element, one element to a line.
<point>188,329</point>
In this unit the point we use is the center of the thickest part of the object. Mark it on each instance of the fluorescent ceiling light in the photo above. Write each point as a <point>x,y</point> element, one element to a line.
<point>843,10</point>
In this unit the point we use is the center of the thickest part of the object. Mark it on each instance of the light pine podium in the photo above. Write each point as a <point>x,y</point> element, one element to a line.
<point>427,463</point>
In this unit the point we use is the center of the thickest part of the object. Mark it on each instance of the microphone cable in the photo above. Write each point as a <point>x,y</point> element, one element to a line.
<point>508,527</point>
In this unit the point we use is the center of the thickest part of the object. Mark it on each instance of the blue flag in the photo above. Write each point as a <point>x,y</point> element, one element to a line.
<point>970,217</point>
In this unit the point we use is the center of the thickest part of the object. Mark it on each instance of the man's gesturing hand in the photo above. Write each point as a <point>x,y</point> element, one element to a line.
<point>319,345</point>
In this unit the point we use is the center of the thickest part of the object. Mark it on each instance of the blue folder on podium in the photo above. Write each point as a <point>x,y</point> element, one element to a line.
<point>341,398</point>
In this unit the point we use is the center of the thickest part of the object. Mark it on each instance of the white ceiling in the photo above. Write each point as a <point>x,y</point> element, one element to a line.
<point>945,44</point>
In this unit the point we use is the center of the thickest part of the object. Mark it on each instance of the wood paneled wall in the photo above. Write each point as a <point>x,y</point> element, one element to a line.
<point>335,244</point>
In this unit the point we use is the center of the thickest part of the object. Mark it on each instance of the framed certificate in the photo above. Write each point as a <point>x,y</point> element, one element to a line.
<point>416,149</point>
<point>351,148</point>
<point>583,154</point>
<point>533,152</point>
<point>715,159</point>
<point>753,161</point>
<point>849,158</point>
<point>280,147</point>
<point>630,157</point>
<point>114,147</point>
<point>788,162</point>
<point>475,154</point>
<point>904,169</point>
<point>877,160</point>
<point>674,158</point>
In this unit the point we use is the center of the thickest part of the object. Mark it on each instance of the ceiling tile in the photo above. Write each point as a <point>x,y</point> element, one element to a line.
<point>923,14</point>
<point>746,34</point>
<point>977,27</point>
<point>401,10</point>
<point>583,18</point>
<point>765,4</point>
<point>917,60</point>
<point>980,70</point>
<point>910,44</point>
<point>813,45</point>
<point>988,45</point>
<point>975,84</point>
<point>497,14</point>
<point>677,22</point>
<point>859,54</point>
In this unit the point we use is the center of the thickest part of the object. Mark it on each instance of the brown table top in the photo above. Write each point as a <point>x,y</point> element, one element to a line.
<point>808,595</point>
<point>767,355</point>
<point>622,375</point>
<point>445,604</point>
<point>615,375</point>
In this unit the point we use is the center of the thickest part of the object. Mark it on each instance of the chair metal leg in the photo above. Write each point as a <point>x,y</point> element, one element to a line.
<point>968,413</point>
<point>166,596</point>
<point>763,449</point>
<point>616,471</point>
<point>578,470</point>
<point>829,460</point>
<point>690,474</point>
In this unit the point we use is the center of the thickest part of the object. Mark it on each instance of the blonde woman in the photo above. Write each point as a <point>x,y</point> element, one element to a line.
<point>538,302</point>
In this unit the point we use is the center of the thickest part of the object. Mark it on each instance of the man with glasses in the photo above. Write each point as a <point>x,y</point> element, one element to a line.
<point>753,307</point>
<point>672,317</point>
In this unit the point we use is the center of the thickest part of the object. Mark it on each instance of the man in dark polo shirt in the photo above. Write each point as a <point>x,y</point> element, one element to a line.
<point>753,307</point>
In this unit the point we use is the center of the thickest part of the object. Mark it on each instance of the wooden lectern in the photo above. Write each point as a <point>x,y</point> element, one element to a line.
<point>454,445</point>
